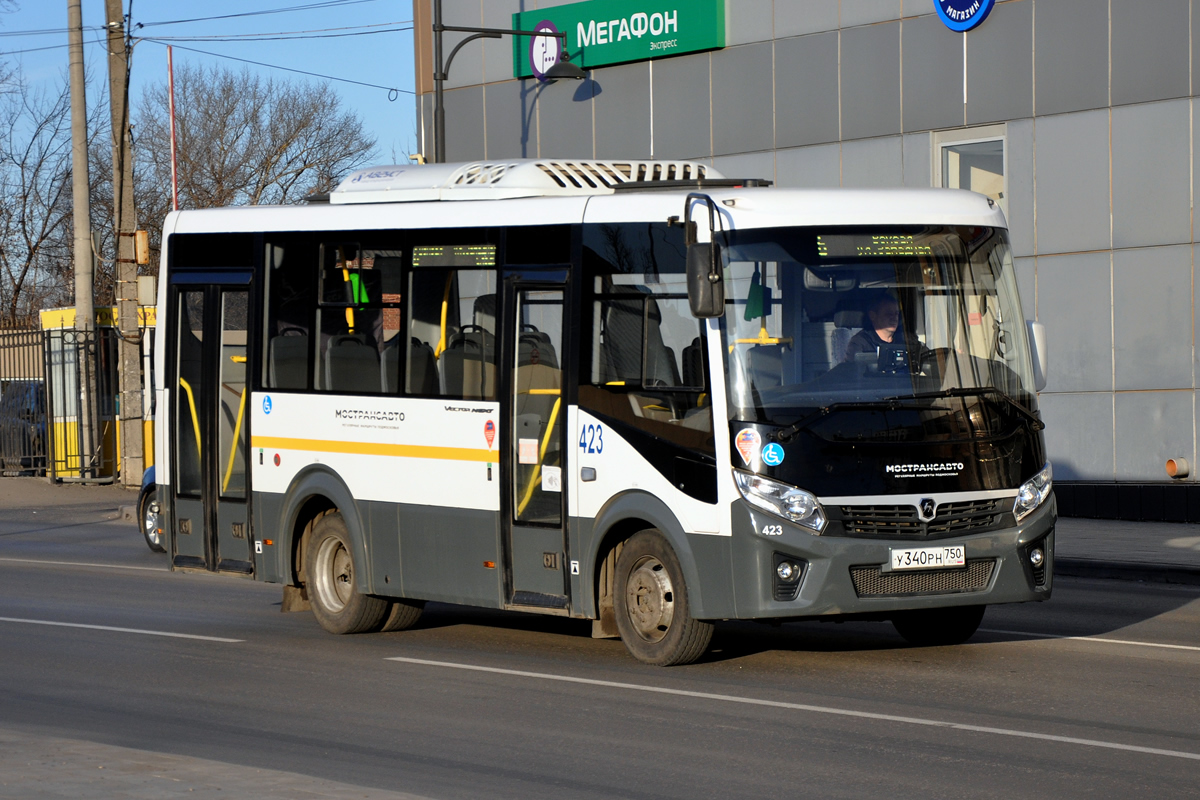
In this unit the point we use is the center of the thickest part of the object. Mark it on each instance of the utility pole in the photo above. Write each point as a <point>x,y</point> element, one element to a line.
<point>85,312</point>
<point>125,224</point>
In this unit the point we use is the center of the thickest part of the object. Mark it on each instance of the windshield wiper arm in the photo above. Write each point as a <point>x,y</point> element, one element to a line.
<point>1034,420</point>
<point>887,404</point>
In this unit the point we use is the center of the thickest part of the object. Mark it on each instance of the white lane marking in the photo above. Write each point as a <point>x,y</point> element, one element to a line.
<point>841,712</point>
<point>80,564</point>
<point>119,630</point>
<point>1092,639</point>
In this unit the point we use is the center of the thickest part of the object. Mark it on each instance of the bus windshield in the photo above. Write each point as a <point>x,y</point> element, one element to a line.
<point>915,330</point>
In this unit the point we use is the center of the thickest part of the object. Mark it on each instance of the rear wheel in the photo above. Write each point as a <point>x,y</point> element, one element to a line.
<point>149,516</point>
<point>402,615</point>
<point>330,570</point>
<point>931,627</point>
<point>651,604</point>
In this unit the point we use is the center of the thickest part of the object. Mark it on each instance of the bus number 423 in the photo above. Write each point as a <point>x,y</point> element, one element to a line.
<point>591,439</point>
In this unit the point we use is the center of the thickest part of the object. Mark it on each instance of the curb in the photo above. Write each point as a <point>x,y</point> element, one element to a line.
<point>1127,571</point>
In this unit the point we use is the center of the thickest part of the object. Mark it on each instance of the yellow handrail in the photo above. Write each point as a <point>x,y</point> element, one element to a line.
<point>353,298</point>
<point>537,470</point>
<point>441,345</point>
<point>195,419</point>
<point>764,338</point>
<point>237,428</point>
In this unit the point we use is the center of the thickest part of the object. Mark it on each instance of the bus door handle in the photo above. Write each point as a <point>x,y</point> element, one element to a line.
<point>587,474</point>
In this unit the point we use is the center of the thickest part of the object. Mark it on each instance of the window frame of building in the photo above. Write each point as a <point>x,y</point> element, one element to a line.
<point>941,140</point>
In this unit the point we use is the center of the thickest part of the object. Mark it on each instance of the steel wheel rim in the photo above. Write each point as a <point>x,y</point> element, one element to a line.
<point>150,522</point>
<point>335,574</point>
<point>650,599</point>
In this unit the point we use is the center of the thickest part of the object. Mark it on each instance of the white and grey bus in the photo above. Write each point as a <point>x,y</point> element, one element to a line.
<point>638,393</point>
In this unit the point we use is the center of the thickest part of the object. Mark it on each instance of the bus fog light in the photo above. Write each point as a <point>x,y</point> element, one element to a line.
<point>787,571</point>
<point>1036,557</point>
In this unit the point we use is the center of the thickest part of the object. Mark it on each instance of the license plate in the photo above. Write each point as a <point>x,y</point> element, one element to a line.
<point>929,557</point>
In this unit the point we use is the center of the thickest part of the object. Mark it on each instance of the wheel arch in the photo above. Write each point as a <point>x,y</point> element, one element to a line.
<point>620,518</point>
<point>314,492</point>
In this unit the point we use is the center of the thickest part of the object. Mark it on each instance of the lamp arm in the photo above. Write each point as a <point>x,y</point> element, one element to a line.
<point>457,47</point>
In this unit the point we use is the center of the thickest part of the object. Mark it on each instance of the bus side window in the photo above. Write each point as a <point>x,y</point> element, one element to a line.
<point>645,363</point>
<point>452,333</point>
<point>291,302</point>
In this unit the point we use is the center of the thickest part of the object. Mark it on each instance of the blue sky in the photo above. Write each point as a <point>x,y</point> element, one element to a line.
<point>384,59</point>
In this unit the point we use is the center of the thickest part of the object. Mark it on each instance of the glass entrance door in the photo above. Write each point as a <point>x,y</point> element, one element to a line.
<point>536,418</point>
<point>210,524</point>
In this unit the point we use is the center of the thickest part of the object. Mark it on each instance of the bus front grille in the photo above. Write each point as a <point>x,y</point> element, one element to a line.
<point>872,581</point>
<point>901,521</point>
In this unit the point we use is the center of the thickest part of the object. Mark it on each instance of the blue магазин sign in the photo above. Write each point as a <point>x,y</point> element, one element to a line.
<point>963,15</point>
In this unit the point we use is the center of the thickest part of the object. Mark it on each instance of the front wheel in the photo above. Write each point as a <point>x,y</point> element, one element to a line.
<point>149,516</point>
<point>330,568</point>
<point>651,604</point>
<point>931,627</point>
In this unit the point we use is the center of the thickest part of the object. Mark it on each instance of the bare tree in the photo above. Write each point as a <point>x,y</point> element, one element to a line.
<point>242,139</point>
<point>35,201</point>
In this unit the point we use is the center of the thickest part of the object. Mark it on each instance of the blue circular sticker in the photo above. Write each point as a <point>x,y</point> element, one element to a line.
<point>772,454</point>
<point>963,15</point>
<point>267,404</point>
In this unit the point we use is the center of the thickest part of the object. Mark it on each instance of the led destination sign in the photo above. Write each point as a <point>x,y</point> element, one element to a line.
<point>469,255</point>
<point>601,32</point>
<point>893,245</point>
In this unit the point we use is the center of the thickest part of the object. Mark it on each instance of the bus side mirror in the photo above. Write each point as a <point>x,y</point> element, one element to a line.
<point>706,289</point>
<point>1037,351</point>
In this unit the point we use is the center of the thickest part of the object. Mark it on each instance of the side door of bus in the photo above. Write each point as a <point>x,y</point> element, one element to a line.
<point>535,414</point>
<point>210,359</point>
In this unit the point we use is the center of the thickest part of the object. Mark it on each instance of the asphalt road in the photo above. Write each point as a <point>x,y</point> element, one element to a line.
<point>1092,694</point>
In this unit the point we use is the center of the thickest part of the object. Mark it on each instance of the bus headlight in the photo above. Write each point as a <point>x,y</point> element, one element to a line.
<point>782,500</point>
<point>1033,492</point>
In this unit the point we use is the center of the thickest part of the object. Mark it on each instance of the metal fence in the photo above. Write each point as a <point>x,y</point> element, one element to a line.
<point>23,434</point>
<point>58,415</point>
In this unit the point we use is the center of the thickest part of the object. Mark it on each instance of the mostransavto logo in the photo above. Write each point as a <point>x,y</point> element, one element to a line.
<point>359,414</point>
<point>925,470</point>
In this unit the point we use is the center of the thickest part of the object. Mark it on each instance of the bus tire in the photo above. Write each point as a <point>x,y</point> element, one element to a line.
<point>148,514</point>
<point>933,627</point>
<point>402,615</point>
<point>330,569</point>
<point>651,604</point>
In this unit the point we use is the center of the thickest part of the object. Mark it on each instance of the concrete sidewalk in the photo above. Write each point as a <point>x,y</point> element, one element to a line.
<point>1162,552</point>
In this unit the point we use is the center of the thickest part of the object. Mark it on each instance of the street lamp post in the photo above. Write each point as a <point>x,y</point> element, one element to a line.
<point>563,69</point>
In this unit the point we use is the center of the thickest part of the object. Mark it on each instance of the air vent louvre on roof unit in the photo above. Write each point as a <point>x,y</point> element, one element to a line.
<point>479,174</point>
<point>494,180</point>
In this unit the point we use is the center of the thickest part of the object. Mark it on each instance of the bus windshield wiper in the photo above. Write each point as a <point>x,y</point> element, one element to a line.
<point>887,404</point>
<point>1035,422</point>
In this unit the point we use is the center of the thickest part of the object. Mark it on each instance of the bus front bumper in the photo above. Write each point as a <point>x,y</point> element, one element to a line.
<point>851,576</point>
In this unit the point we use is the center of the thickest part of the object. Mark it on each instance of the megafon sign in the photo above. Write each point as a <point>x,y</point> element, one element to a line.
<point>602,32</point>
<point>963,15</point>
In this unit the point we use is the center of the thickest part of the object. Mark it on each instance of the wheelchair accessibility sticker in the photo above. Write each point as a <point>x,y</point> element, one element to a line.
<point>772,454</point>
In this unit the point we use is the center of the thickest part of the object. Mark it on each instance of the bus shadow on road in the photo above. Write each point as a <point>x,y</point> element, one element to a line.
<point>1083,608</point>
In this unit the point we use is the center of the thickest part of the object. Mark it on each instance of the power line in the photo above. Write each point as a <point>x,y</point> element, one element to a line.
<point>322,33</point>
<point>307,7</point>
<point>391,90</point>
<point>47,47</point>
<point>47,31</point>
